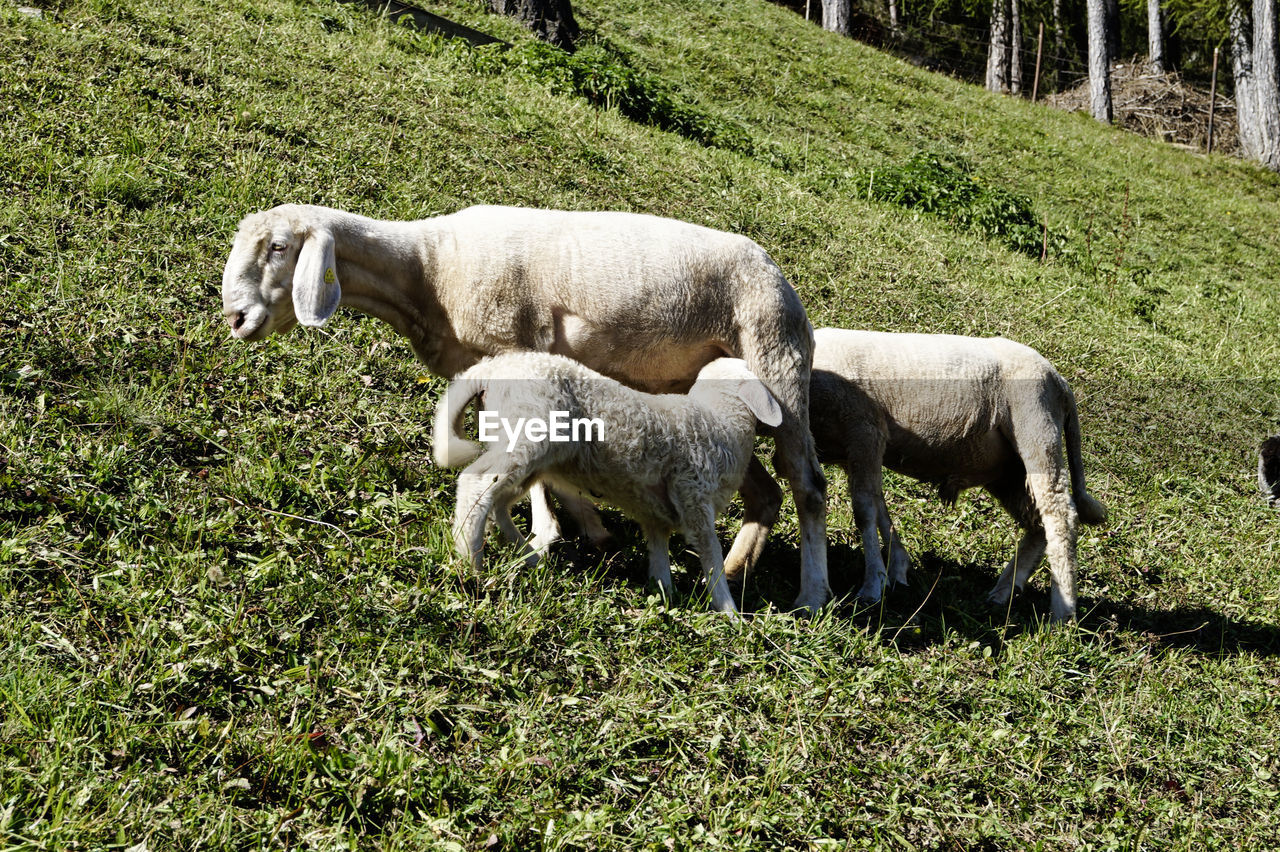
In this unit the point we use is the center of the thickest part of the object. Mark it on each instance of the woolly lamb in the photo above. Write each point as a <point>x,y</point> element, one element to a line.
<point>959,412</point>
<point>671,461</point>
<point>644,300</point>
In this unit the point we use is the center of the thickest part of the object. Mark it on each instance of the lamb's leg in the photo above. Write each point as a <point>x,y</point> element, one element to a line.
<point>502,517</point>
<point>761,500</point>
<point>488,482</point>
<point>546,529</point>
<point>659,559</point>
<point>584,512</point>
<point>700,532</point>
<point>1014,577</point>
<point>473,504</point>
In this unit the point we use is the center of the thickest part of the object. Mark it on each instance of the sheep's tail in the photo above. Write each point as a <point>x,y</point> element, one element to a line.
<point>448,447</point>
<point>1089,510</point>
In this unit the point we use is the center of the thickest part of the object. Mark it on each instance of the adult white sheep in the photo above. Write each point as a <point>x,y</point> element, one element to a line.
<point>670,461</point>
<point>644,300</point>
<point>959,412</point>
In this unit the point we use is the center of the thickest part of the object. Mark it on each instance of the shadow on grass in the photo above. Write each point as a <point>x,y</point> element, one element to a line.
<point>941,596</point>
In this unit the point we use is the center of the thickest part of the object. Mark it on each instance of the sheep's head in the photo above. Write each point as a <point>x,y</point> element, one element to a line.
<point>281,271</point>
<point>734,375</point>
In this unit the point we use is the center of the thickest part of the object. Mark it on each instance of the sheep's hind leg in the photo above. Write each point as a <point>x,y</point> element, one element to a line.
<point>474,501</point>
<point>584,512</point>
<point>899,559</point>
<point>866,514</point>
<point>1048,485</point>
<point>1014,577</point>
<point>797,460</point>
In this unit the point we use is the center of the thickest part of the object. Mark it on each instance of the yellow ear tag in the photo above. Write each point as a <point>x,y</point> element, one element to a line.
<point>329,277</point>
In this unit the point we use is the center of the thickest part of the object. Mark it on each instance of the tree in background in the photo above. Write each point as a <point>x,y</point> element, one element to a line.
<point>551,20</point>
<point>1155,36</point>
<point>1257,79</point>
<point>837,16</point>
<point>998,51</point>
<point>1099,61</point>
<point>1113,31</point>
<point>1004,55</point>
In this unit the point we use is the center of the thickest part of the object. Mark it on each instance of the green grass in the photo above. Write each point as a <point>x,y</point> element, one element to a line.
<point>232,620</point>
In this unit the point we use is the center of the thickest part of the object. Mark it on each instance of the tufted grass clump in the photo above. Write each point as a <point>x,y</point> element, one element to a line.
<point>606,81</point>
<point>929,184</point>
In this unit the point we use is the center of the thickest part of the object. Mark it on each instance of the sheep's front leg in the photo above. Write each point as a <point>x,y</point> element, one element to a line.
<point>700,531</point>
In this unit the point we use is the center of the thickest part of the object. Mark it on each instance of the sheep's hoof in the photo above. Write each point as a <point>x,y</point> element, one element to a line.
<point>807,609</point>
<point>666,592</point>
<point>871,594</point>
<point>1001,594</point>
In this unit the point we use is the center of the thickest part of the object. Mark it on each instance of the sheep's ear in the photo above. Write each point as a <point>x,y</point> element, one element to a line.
<point>316,292</point>
<point>761,402</point>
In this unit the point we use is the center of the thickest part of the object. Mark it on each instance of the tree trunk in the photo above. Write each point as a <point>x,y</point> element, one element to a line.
<point>1099,64</point>
<point>1059,41</point>
<point>551,20</point>
<point>1253,65</point>
<point>1113,31</point>
<point>1267,87</point>
<point>1241,26</point>
<point>1015,47</point>
<point>836,16</point>
<point>1155,36</point>
<point>998,51</point>
<point>894,22</point>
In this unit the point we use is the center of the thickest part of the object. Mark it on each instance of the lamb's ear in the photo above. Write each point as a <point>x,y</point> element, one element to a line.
<point>761,402</point>
<point>316,292</point>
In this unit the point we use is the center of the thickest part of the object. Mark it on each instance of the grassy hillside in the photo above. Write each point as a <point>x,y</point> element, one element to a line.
<point>232,620</point>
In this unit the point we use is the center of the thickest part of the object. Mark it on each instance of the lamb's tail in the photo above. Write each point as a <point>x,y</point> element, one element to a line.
<point>448,447</point>
<point>1089,510</point>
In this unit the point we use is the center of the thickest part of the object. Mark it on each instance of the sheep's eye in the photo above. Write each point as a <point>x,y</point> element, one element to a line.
<point>278,247</point>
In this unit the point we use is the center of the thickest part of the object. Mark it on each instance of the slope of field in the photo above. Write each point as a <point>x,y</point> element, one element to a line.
<point>232,618</point>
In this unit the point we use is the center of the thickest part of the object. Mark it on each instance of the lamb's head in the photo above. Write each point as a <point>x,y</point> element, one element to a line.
<point>281,271</point>
<point>731,378</point>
